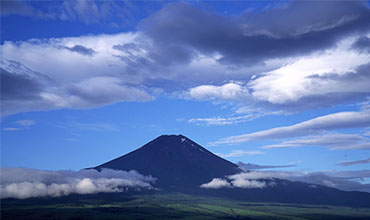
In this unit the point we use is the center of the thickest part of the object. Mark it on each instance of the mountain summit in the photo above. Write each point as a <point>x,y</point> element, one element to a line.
<point>176,161</point>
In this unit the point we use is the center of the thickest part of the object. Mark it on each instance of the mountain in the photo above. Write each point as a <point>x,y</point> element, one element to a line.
<point>181,165</point>
<point>176,161</point>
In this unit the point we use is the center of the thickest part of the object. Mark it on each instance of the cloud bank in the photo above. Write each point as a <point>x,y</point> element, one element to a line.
<point>22,183</point>
<point>343,180</point>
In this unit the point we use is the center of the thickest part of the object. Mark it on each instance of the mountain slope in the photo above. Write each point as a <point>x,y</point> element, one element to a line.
<point>182,165</point>
<point>176,161</point>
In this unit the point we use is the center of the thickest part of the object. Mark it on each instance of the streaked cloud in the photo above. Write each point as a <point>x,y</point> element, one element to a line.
<point>246,114</point>
<point>90,126</point>
<point>26,122</point>
<point>332,141</point>
<point>251,166</point>
<point>354,162</point>
<point>239,153</point>
<point>313,126</point>
<point>22,124</point>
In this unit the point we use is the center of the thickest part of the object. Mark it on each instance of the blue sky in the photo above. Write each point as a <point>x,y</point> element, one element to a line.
<point>262,82</point>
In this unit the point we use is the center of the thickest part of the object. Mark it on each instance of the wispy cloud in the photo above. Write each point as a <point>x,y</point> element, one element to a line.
<point>92,126</point>
<point>251,166</point>
<point>335,141</point>
<point>26,123</point>
<point>245,114</point>
<point>22,124</point>
<point>239,153</point>
<point>25,183</point>
<point>354,162</point>
<point>328,122</point>
<point>12,129</point>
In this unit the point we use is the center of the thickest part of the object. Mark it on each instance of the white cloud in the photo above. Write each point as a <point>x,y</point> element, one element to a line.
<point>24,183</point>
<point>333,121</point>
<point>237,181</point>
<point>221,120</point>
<point>69,78</point>
<point>228,91</point>
<point>249,184</point>
<point>344,180</point>
<point>216,183</point>
<point>301,77</point>
<point>334,141</point>
<point>239,153</point>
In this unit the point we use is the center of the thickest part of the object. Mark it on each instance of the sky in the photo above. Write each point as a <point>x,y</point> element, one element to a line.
<point>281,84</point>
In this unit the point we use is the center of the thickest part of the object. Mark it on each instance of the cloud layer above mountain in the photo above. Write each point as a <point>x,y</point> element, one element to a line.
<point>22,183</point>
<point>321,60</point>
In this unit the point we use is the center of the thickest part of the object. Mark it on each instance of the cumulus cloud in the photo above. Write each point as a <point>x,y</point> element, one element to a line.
<point>337,71</point>
<point>249,184</point>
<point>333,121</point>
<point>239,153</point>
<point>354,162</point>
<point>24,183</point>
<point>216,183</point>
<point>300,64</point>
<point>227,91</point>
<point>84,83</point>
<point>237,181</point>
<point>343,180</point>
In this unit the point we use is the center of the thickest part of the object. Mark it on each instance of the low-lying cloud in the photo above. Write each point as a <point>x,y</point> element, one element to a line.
<point>22,183</point>
<point>235,181</point>
<point>343,180</point>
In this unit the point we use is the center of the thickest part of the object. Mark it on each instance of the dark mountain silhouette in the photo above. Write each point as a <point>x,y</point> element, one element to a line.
<point>182,165</point>
<point>176,161</point>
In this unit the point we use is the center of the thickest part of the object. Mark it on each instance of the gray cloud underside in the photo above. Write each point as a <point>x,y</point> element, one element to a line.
<point>24,183</point>
<point>355,162</point>
<point>251,166</point>
<point>250,38</point>
<point>81,50</point>
<point>25,90</point>
<point>181,47</point>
